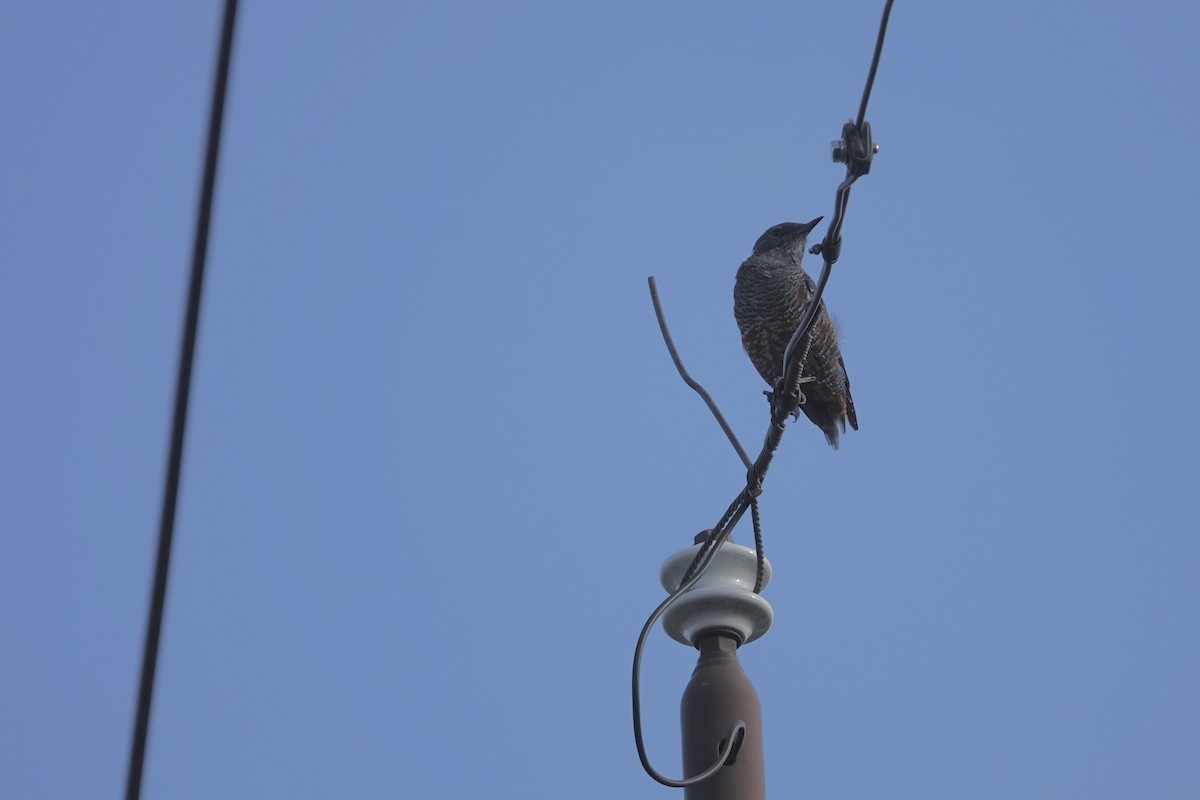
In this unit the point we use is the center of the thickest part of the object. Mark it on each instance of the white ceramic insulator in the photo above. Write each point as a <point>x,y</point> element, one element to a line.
<point>723,598</point>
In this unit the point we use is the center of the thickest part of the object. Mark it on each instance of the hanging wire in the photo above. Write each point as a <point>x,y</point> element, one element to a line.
<point>856,149</point>
<point>688,379</point>
<point>187,350</point>
<point>716,412</point>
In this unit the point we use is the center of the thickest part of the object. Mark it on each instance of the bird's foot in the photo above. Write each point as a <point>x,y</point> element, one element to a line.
<point>785,404</point>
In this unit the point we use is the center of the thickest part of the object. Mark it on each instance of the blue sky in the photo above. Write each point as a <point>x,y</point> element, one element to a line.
<point>438,451</point>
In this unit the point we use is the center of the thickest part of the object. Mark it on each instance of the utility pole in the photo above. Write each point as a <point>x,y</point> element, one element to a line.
<point>722,611</point>
<point>717,616</point>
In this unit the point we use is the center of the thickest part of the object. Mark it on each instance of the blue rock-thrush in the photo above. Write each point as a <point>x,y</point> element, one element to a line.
<point>769,298</point>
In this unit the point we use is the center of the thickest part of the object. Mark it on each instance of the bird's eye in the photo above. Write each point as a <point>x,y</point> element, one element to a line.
<point>777,231</point>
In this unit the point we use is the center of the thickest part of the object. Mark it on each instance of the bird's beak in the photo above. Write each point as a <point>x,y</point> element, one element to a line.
<point>808,226</point>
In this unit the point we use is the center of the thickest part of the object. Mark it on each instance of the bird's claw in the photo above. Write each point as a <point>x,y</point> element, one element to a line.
<point>781,408</point>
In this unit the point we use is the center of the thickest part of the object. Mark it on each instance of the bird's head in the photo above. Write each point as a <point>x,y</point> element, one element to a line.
<point>790,236</point>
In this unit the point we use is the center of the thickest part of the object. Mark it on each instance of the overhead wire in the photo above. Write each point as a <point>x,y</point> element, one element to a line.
<point>183,384</point>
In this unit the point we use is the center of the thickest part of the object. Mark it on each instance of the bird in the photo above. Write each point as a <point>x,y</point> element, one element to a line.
<point>769,297</point>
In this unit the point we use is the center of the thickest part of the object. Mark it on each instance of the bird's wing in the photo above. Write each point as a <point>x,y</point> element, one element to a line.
<point>850,413</point>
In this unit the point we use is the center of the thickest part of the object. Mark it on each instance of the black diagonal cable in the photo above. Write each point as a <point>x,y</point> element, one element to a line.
<point>137,749</point>
<point>866,95</point>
